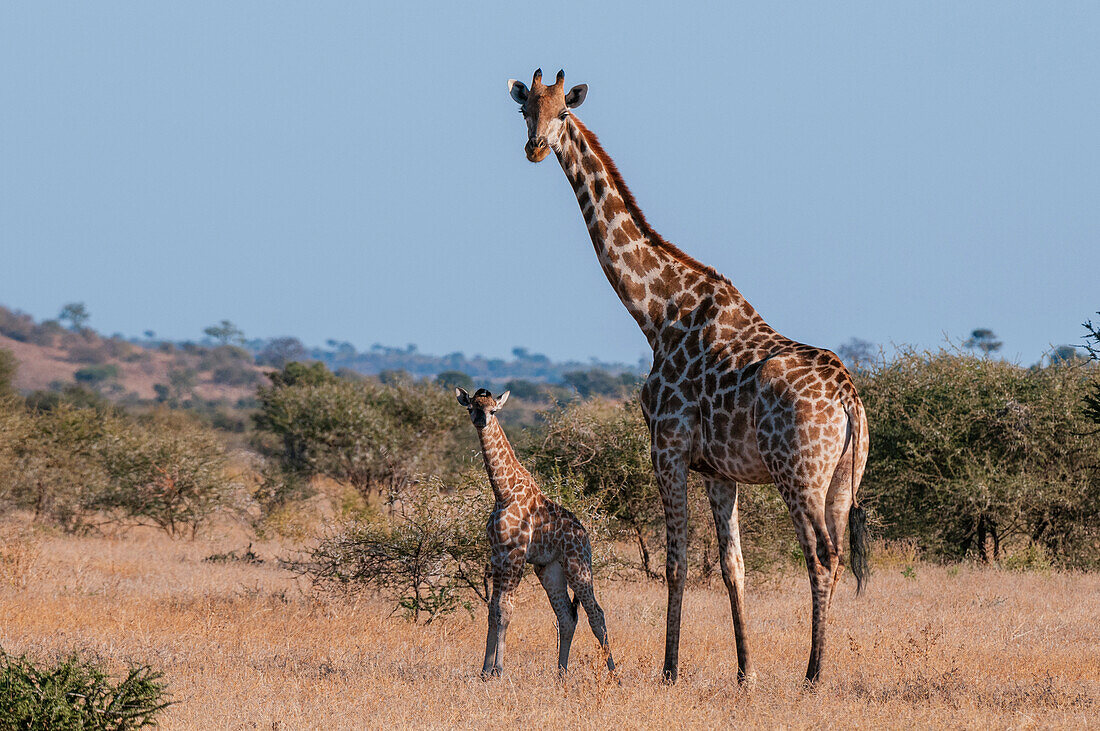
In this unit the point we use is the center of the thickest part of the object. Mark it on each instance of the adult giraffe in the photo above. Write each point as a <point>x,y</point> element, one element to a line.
<point>727,396</point>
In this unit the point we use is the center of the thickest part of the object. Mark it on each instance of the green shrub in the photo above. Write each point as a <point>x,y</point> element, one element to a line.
<point>72,394</point>
<point>235,374</point>
<point>167,471</point>
<point>80,466</point>
<point>8,367</point>
<point>53,460</point>
<point>97,374</point>
<point>525,390</point>
<point>450,379</point>
<point>77,693</point>
<point>598,382</point>
<point>372,436</point>
<point>971,455</point>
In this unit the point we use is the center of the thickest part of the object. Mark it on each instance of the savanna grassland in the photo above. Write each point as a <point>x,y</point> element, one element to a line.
<point>305,556</point>
<point>247,644</point>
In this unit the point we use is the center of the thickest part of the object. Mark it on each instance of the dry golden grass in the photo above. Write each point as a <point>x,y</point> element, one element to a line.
<point>247,646</point>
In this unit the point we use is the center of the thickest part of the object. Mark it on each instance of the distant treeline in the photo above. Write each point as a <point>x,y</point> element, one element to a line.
<point>380,359</point>
<point>337,355</point>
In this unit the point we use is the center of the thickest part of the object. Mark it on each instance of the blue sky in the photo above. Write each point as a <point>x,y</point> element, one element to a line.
<point>892,171</point>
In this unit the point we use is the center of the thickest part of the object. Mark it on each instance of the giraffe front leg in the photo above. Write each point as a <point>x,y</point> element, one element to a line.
<point>493,635</point>
<point>723,504</point>
<point>506,577</point>
<point>671,472</point>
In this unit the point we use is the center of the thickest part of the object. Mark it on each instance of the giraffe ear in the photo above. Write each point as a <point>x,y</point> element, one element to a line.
<point>462,396</point>
<point>518,91</point>
<point>576,96</point>
<point>502,399</point>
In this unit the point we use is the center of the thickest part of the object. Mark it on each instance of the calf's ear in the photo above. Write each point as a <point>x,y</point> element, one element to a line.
<point>518,91</point>
<point>576,96</point>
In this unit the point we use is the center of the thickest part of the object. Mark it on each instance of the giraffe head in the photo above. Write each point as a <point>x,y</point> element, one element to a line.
<point>481,405</point>
<point>544,108</point>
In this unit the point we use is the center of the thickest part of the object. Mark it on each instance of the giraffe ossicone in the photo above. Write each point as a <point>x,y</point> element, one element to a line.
<point>526,527</point>
<point>727,396</point>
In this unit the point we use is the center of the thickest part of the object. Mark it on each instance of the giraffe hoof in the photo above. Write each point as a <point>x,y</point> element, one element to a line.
<point>492,674</point>
<point>747,681</point>
<point>668,676</point>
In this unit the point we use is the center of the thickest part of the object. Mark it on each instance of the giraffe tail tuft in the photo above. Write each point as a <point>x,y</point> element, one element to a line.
<point>860,546</point>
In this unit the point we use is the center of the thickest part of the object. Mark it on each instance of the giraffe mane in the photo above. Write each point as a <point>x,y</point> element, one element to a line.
<point>635,210</point>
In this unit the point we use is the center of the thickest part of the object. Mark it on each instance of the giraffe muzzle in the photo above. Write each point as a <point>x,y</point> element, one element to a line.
<point>537,149</point>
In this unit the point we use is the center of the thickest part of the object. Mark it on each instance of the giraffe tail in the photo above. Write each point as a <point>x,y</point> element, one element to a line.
<point>858,539</point>
<point>573,607</point>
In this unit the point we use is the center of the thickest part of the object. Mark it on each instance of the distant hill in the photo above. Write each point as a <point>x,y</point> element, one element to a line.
<point>134,374</point>
<point>228,368</point>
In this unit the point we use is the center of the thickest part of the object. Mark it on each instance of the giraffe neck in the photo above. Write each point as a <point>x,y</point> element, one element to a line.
<point>650,275</point>
<point>506,474</point>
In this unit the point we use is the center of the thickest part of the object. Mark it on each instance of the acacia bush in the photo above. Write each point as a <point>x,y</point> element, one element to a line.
<point>428,556</point>
<point>971,456</point>
<point>50,462</point>
<point>79,467</point>
<point>375,437</point>
<point>165,470</point>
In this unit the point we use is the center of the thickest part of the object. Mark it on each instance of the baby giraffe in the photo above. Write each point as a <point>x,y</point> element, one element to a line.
<point>527,527</point>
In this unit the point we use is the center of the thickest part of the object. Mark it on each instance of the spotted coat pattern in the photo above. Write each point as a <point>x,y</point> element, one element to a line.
<point>526,527</point>
<point>727,395</point>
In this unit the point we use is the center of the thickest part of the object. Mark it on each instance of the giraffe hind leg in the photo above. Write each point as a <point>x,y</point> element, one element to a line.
<point>723,504</point>
<point>552,578</point>
<point>821,561</point>
<point>579,573</point>
<point>838,502</point>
